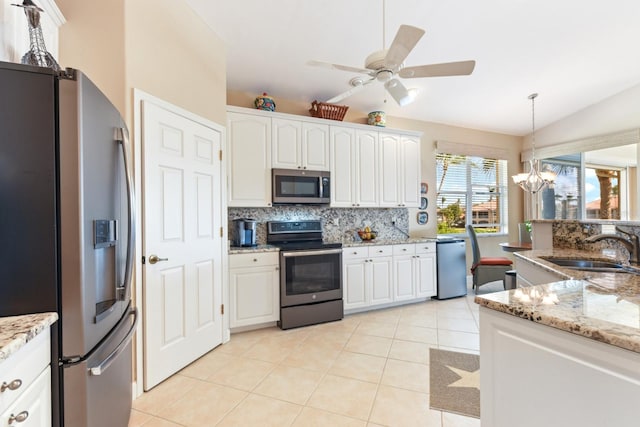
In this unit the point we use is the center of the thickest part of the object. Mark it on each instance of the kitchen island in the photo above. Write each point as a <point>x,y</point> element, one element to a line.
<point>565,353</point>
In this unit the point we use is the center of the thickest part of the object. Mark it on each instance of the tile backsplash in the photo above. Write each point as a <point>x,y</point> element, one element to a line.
<point>339,224</point>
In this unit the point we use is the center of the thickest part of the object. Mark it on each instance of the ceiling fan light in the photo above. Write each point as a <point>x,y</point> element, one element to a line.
<point>413,92</point>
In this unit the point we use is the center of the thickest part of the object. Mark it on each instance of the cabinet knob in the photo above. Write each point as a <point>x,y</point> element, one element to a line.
<point>255,260</point>
<point>22,416</point>
<point>404,249</point>
<point>380,251</point>
<point>304,167</point>
<point>13,385</point>
<point>277,268</point>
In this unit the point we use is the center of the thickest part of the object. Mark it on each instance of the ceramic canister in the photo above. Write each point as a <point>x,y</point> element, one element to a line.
<point>265,102</point>
<point>377,118</point>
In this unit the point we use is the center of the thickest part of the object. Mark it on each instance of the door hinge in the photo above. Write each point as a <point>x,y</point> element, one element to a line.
<point>221,231</point>
<point>222,309</point>
<point>220,154</point>
<point>143,259</point>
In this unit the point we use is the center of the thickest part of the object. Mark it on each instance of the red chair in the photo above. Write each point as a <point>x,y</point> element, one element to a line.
<point>486,269</point>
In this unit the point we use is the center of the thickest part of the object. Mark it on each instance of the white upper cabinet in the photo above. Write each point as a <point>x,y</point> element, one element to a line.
<point>343,163</point>
<point>315,146</point>
<point>366,171</point>
<point>299,145</point>
<point>249,160</point>
<point>409,171</point>
<point>399,171</point>
<point>390,182</point>
<point>369,167</point>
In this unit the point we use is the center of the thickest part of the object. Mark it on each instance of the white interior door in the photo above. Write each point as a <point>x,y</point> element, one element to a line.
<point>182,204</point>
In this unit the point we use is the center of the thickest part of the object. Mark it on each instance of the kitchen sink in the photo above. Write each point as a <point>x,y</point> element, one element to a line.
<point>591,265</point>
<point>588,265</point>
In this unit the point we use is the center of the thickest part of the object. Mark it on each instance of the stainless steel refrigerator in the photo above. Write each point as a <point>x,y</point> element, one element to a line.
<point>67,235</point>
<point>451,258</point>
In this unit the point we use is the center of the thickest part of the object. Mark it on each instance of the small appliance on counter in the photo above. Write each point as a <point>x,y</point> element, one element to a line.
<point>245,232</point>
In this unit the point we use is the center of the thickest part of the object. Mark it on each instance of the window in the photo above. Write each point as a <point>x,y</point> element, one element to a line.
<point>470,184</point>
<point>563,199</point>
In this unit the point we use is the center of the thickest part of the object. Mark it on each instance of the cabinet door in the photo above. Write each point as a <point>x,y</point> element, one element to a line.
<point>354,280</point>
<point>286,143</point>
<point>381,280</point>
<point>254,295</point>
<point>410,171</point>
<point>403,277</point>
<point>389,170</point>
<point>249,160</point>
<point>342,166</point>
<point>34,403</point>
<point>366,171</point>
<point>315,146</point>
<point>425,275</point>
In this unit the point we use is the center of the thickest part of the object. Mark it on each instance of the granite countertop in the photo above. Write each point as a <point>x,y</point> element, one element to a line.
<point>603,306</point>
<point>252,249</point>
<point>345,243</point>
<point>16,331</point>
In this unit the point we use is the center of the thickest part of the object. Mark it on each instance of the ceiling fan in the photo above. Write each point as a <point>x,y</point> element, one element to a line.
<point>386,66</point>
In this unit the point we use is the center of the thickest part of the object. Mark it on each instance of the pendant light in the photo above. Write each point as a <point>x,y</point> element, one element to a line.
<point>533,181</point>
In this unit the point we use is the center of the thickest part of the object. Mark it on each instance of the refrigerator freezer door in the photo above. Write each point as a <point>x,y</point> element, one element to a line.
<point>97,391</point>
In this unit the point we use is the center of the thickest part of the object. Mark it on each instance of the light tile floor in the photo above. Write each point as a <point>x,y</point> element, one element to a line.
<point>369,369</point>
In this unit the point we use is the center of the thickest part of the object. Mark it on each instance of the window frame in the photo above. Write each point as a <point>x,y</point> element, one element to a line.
<point>500,189</point>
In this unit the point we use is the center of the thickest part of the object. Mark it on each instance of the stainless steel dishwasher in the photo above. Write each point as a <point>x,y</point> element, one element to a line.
<point>452,267</point>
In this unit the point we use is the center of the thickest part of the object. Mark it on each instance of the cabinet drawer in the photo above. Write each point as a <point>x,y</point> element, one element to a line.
<point>375,251</point>
<point>426,247</point>
<point>408,249</point>
<point>34,404</point>
<point>256,259</point>
<point>355,252</point>
<point>24,366</point>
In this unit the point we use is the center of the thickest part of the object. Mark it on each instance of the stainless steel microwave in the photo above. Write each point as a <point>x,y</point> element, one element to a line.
<point>299,187</point>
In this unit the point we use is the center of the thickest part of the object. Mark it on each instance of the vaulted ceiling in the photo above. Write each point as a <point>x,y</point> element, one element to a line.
<point>574,53</point>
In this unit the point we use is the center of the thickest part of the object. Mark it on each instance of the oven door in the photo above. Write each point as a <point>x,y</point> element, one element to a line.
<point>310,276</point>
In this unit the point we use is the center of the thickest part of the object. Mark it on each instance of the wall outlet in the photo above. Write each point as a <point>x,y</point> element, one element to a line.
<point>608,229</point>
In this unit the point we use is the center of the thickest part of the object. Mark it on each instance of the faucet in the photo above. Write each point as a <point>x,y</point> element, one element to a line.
<point>631,242</point>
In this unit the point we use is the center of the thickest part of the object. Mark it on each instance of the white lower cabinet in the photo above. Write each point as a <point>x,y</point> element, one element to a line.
<point>528,274</point>
<point>382,275</point>
<point>414,271</point>
<point>535,375</point>
<point>367,276</point>
<point>254,286</point>
<point>27,373</point>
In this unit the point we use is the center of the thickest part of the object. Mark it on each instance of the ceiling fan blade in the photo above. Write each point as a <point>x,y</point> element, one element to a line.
<point>399,92</point>
<point>461,68</point>
<point>406,39</point>
<point>338,67</point>
<point>350,92</point>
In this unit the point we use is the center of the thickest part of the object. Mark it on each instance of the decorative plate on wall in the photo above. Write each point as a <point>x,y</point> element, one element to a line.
<point>423,217</point>
<point>423,203</point>
<point>424,188</point>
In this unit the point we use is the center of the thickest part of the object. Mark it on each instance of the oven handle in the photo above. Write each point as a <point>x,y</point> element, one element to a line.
<point>311,253</point>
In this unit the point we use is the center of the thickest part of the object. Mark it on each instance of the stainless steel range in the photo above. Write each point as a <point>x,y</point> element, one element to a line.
<point>310,273</point>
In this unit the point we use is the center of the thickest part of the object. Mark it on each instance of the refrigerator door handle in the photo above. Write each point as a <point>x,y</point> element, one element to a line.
<point>104,364</point>
<point>122,138</point>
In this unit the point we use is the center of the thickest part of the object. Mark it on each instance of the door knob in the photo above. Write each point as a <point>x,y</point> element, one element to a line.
<point>155,258</point>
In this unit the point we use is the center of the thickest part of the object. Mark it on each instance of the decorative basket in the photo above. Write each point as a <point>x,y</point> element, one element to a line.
<point>328,111</point>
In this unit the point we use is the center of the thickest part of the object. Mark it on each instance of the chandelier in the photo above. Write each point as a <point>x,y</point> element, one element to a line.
<point>535,180</point>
